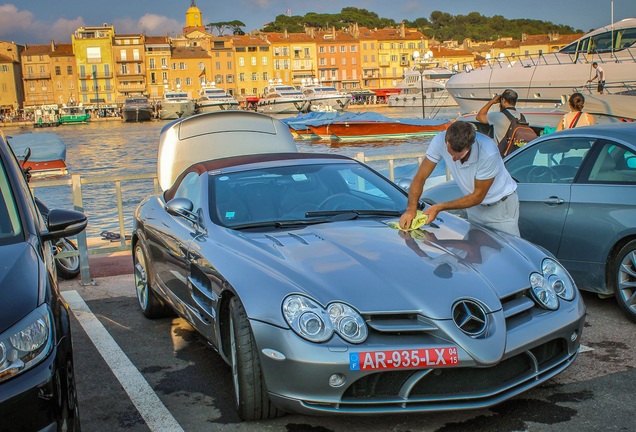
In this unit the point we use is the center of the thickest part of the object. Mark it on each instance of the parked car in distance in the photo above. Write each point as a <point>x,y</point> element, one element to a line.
<point>287,264</point>
<point>577,193</point>
<point>37,382</point>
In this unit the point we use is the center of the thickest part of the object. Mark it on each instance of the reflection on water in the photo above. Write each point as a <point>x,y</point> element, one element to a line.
<point>115,148</point>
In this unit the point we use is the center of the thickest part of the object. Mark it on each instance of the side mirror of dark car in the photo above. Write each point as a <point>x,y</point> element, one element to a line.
<point>182,207</point>
<point>64,223</point>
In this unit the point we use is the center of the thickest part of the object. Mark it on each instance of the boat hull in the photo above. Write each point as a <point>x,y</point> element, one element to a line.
<point>441,99</point>
<point>376,130</point>
<point>282,106</point>
<point>334,103</point>
<point>176,110</point>
<point>215,107</point>
<point>137,115</point>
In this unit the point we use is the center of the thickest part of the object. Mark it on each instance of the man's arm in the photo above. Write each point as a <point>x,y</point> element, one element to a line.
<point>482,115</point>
<point>475,198</point>
<point>415,191</point>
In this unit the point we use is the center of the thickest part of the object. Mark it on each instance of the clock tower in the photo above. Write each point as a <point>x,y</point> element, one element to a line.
<point>193,16</point>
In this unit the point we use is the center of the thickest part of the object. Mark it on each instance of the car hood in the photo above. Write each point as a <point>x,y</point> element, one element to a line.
<point>379,269</point>
<point>19,286</point>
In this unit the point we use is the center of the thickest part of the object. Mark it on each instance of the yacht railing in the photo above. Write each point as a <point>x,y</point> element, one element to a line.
<point>93,246</point>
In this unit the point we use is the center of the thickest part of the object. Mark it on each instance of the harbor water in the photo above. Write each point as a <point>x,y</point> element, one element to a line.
<point>116,148</point>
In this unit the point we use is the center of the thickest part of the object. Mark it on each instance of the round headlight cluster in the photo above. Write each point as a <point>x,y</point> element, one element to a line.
<point>552,283</point>
<point>316,324</point>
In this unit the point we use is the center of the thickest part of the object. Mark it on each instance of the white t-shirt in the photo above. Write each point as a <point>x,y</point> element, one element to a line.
<point>484,162</point>
<point>501,123</point>
<point>600,74</point>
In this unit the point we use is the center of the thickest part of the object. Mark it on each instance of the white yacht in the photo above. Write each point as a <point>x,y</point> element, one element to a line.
<point>279,98</point>
<point>176,104</point>
<point>212,98</point>
<point>542,81</point>
<point>426,74</point>
<point>324,97</point>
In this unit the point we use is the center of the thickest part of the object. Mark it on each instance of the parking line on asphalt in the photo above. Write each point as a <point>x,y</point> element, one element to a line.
<point>153,411</point>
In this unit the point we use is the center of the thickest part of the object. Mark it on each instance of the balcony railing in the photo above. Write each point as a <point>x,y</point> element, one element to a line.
<point>32,76</point>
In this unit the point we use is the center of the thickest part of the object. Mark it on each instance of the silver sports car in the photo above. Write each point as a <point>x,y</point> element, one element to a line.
<point>288,265</point>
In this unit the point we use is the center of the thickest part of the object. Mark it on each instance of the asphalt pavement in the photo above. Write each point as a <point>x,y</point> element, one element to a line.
<point>136,374</point>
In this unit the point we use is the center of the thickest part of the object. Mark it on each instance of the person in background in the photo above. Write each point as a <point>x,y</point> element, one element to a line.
<point>576,117</point>
<point>490,194</point>
<point>507,100</point>
<point>600,76</point>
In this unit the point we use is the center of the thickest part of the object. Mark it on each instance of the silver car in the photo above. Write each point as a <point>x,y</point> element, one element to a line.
<point>288,265</point>
<point>577,192</point>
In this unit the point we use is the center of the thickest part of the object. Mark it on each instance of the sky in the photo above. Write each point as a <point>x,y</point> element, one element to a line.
<point>40,21</point>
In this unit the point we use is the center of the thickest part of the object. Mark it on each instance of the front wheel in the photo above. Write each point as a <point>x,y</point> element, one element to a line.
<point>150,305</point>
<point>250,393</point>
<point>68,267</point>
<point>623,279</point>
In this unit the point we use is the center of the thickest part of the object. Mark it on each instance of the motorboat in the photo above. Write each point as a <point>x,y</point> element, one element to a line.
<point>543,80</point>
<point>47,153</point>
<point>176,104</point>
<point>324,98</point>
<point>212,98</point>
<point>279,98</point>
<point>137,109</point>
<point>371,125</point>
<point>425,77</point>
<point>45,116</point>
<point>73,114</point>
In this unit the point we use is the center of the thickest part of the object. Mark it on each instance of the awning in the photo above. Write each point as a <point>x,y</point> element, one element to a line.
<point>251,99</point>
<point>386,92</point>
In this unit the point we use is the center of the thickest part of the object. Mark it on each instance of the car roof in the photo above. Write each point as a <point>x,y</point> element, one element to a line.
<point>252,160</point>
<point>621,131</point>
<point>216,135</point>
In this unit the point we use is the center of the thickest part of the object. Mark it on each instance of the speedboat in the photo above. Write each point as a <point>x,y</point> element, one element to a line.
<point>324,98</point>
<point>424,77</point>
<point>176,104</point>
<point>543,80</point>
<point>212,98</point>
<point>47,153</point>
<point>137,109</point>
<point>279,98</point>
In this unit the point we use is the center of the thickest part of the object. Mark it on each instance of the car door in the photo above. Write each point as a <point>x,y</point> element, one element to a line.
<point>545,172</point>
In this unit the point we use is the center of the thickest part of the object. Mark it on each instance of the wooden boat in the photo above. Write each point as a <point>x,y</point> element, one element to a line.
<point>48,153</point>
<point>376,126</point>
<point>137,109</point>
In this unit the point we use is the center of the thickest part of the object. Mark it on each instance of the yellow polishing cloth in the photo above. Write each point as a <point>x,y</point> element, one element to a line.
<point>419,220</point>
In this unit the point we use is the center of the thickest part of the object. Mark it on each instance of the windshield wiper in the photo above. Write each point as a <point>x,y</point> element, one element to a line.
<point>353,213</point>
<point>280,224</point>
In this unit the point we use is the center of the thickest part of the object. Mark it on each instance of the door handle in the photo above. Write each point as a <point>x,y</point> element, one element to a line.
<point>554,201</point>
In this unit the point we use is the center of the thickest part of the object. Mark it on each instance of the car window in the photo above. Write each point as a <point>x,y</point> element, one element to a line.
<point>10,226</point>
<point>551,161</point>
<point>190,188</point>
<point>614,164</point>
<point>289,192</point>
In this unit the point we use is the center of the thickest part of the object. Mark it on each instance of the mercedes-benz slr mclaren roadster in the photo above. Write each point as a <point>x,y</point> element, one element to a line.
<point>288,264</point>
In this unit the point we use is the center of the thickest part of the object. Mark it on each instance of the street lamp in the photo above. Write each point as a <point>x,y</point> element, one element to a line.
<point>96,91</point>
<point>421,70</point>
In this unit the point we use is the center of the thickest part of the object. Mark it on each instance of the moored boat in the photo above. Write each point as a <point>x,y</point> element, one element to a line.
<point>212,98</point>
<point>324,98</point>
<point>137,109</point>
<point>372,125</point>
<point>48,153</point>
<point>176,104</point>
<point>73,114</point>
<point>542,80</point>
<point>279,98</point>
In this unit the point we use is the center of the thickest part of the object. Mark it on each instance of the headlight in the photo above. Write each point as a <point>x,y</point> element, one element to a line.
<point>558,278</point>
<point>316,324</point>
<point>543,293</point>
<point>25,344</point>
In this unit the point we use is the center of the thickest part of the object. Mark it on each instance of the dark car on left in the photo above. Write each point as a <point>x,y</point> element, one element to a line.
<point>37,382</point>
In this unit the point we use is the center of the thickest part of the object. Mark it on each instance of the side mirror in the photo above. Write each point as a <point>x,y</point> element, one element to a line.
<point>182,207</point>
<point>64,223</point>
<point>404,183</point>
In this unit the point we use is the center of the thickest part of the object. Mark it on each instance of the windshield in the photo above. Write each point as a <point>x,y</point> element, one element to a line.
<point>300,193</point>
<point>10,226</point>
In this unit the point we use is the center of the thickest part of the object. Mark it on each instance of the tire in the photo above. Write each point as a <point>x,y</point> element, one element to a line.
<point>150,305</point>
<point>623,279</point>
<point>250,393</point>
<point>68,267</point>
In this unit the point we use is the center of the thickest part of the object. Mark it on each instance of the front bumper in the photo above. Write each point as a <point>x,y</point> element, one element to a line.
<point>538,347</point>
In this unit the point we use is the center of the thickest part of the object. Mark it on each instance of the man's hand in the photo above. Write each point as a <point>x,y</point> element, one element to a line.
<point>496,99</point>
<point>407,219</point>
<point>431,212</point>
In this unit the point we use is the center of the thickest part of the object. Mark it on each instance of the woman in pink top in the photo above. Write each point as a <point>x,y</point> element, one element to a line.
<point>576,117</point>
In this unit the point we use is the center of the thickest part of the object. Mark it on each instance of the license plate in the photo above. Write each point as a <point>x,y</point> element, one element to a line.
<point>404,359</point>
